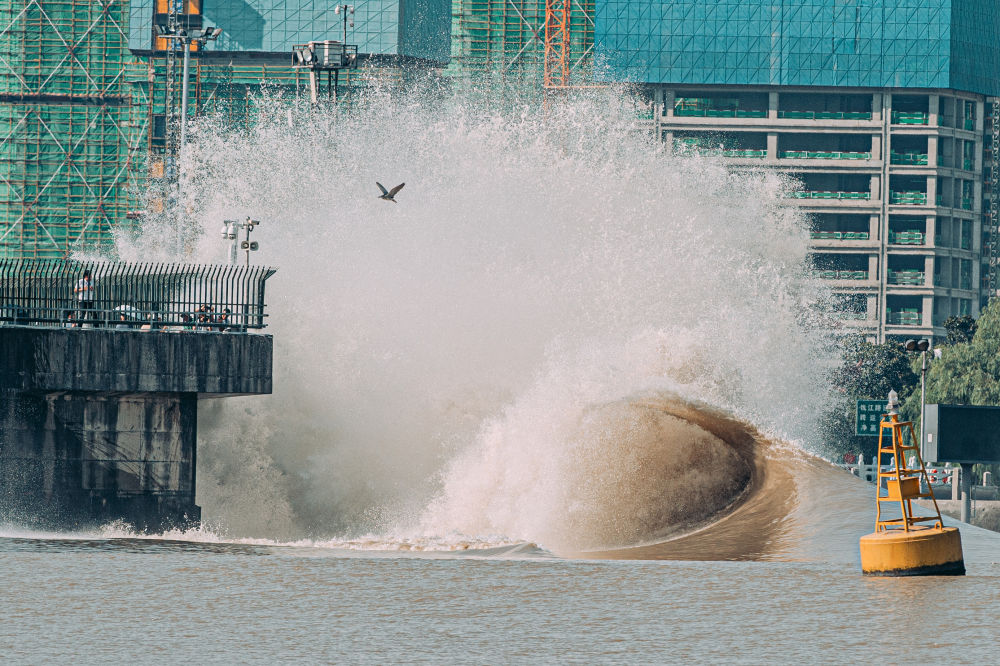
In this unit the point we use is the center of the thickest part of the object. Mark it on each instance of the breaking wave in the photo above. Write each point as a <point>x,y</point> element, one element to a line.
<point>562,334</point>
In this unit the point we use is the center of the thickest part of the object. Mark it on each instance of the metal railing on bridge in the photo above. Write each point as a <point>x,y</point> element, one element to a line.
<point>128,295</point>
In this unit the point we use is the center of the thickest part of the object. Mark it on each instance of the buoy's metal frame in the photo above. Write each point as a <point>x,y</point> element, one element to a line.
<point>907,546</point>
<point>902,484</point>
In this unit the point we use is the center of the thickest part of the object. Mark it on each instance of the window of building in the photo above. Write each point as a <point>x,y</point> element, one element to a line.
<point>905,230</point>
<point>968,115</point>
<point>908,150</point>
<point>836,226</point>
<point>967,190</point>
<point>968,155</point>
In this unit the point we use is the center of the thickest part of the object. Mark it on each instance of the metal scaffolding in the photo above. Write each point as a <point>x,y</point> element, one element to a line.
<point>87,127</point>
<point>66,130</point>
<point>547,42</point>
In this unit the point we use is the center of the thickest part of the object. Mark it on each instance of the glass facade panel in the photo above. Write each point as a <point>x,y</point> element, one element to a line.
<point>392,27</point>
<point>975,45</point>
<point>867,43</point>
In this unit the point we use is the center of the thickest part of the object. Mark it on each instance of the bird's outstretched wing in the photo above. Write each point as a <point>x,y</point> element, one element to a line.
<point>384,191</point>
<point>393,191</point>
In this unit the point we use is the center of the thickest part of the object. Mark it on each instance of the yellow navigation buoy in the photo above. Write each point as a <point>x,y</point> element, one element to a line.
<point>904,546</point>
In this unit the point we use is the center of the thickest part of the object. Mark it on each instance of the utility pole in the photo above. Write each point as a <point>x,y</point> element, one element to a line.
<point>173,33</point>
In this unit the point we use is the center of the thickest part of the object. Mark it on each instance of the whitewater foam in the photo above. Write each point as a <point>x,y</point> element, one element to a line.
<point>119,531</point>
<point>436,360</point>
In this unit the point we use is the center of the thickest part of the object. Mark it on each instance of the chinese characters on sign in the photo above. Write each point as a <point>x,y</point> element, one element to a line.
<point>869,416</point>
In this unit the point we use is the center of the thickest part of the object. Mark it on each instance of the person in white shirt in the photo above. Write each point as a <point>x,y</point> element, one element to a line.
<point>84,291</point>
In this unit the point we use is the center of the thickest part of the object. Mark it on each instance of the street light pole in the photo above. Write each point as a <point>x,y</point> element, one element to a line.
<point>172,34</point>
<point>923,401</point>
<point>186,40</point>
<point>184,96</point>
<point>921,346</point>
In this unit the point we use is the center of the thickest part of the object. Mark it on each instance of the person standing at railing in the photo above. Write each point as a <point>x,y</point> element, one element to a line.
<point>205,318</point>
<point>84,291</point>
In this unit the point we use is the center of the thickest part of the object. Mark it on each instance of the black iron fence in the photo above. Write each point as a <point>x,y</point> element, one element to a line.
<point>132,295</point>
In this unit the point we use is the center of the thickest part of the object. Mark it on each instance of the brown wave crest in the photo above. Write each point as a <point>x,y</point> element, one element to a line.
<point>755,521</point>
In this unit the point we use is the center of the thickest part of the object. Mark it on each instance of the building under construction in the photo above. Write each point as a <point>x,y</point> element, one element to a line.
<point>883,110</point>
<point>91,90</point>
<point>905,214</point>
<point>530,42</point>
<point>66,125</point>
<point>91,94</point>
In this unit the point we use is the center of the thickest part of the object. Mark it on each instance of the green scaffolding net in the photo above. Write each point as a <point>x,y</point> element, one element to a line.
<point>65,123</point>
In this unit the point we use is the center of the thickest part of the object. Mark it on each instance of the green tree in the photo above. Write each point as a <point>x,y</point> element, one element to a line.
<point>868,372</point>
<point>968,373</point>
<point>960,329</point>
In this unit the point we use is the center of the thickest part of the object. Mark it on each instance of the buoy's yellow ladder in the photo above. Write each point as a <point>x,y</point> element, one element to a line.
<point>902,484</point>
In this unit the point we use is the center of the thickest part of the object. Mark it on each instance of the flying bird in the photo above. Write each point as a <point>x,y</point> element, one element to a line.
<point>389,195</point>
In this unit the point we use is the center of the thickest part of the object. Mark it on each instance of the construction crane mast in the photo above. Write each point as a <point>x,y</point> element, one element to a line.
<point>557,42</point>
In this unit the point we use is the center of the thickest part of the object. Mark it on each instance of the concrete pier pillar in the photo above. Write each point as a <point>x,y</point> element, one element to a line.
<point>98,425</point>
<point>69,459</point>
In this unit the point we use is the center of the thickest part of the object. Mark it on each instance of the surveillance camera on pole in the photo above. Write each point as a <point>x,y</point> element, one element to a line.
<point>230,232</point>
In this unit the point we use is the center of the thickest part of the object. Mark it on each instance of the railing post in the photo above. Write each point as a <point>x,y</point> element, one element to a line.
<point>41,293</point>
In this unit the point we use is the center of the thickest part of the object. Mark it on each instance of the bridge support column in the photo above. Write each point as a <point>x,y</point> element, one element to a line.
<point>72,459</point>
